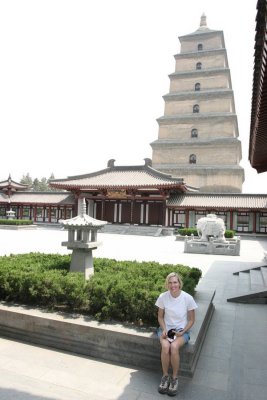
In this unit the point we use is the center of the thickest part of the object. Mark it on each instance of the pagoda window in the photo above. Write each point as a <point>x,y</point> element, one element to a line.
<point>197,87</point>
<point>196,108</point>
<point>194,133</point>
<point>200,46</point>
<point>198,65</point>
<point>192,159</point>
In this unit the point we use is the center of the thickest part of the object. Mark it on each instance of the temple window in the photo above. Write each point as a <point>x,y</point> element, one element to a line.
<point>197,86</point>
<point>198,65</point>
<point>192,159</point>
<point>196,108</point>
<point>194,133</point>
<point>200,46</point>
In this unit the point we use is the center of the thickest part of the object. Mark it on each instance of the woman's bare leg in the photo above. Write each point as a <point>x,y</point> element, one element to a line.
<point>165,355</point>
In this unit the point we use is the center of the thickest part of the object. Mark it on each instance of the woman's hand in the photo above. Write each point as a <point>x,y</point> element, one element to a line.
<point>164,334</point>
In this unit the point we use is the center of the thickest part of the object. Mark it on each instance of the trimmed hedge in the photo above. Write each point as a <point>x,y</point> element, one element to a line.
<point>189,231</point>
<point>125,291</point>
<point>16,222</point>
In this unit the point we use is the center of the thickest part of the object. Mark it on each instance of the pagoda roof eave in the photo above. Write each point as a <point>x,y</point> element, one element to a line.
<point>13,185</point>
<point>82,221</point>
<point>200,32</point>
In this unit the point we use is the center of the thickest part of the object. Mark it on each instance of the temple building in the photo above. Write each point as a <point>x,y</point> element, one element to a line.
<point>195,166</point>
<point>198,134</point>
<point>37,206</point>
<point>126,194</point>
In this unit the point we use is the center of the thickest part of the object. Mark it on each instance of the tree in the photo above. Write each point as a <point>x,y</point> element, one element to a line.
<point>43,186</point>
<point>37,185</point>
<point>26,180</point>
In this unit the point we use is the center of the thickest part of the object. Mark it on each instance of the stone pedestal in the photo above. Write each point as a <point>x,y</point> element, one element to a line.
<point>211,240</point>
<point>82,261</point>
<point>82,257</point>
<point>226,248</point>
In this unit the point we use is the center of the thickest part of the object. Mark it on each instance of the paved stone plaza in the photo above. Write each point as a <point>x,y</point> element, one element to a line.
<point>232,364</point>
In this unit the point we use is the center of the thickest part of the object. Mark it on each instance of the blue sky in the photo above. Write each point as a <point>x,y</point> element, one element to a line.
<point>82,81</point>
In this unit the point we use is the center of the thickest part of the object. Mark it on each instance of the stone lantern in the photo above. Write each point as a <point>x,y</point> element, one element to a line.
<point>10,214</point>
<point>82,239</point>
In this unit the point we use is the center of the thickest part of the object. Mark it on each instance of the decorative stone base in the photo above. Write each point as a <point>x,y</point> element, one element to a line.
<point>227,248</point>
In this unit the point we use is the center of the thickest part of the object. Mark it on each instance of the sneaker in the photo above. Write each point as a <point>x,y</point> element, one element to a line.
<point>173,387</point>
<point>164,384</point>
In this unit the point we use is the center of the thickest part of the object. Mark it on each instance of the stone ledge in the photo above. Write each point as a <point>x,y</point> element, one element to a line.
<point>18,227</point>
<point>135,347</point>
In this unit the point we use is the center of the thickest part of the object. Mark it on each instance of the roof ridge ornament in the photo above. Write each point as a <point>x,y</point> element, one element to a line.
<point>203,21</point>
<point>148,162</point>
<point>111,163</point>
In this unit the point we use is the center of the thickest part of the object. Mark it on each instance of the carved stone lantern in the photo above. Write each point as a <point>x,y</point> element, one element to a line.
<point>82,239</point>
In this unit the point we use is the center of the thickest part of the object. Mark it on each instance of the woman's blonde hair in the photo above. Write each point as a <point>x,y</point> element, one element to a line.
<point>172,275</point>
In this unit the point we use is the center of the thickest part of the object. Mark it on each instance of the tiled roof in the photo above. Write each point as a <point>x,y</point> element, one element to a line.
<point>224,201</point>
<point>258,124</point>
<point>118,177</point>
<point>13,185</point>
<point>39,198</point>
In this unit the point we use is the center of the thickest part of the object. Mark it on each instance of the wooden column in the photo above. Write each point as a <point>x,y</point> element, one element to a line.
<point>186,218</point>
<point>231,220</point>
<point>254,221</point>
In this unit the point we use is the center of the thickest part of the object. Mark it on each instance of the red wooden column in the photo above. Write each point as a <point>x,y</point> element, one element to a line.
<point>187,218</point>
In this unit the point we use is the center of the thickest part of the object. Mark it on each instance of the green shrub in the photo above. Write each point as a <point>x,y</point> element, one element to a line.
<point>189,231</point>
<point>16,222</point>
<point>229,234</point>
<point>125,291</point>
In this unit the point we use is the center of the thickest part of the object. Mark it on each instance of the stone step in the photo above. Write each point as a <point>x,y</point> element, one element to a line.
<point>264,274</point>
<point>251,286</point>
<point>256,280</point>
<point>243,282</point>
<point>144,230</point>
<point>132,230</point>
<point>115,229</point>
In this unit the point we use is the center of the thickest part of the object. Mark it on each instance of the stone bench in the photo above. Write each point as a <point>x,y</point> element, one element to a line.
<point>135,347</point>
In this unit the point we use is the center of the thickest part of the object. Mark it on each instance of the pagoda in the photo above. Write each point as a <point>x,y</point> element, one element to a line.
<point>198,134</point>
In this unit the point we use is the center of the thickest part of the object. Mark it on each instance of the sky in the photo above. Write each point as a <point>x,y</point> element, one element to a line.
<point>81,82</point>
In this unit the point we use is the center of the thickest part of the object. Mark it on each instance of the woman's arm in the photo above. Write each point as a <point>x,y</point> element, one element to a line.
<point>162,322</point>
<point>190,322</point>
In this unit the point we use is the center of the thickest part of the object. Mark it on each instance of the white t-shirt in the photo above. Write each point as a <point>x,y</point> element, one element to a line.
<point>175,309</point>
